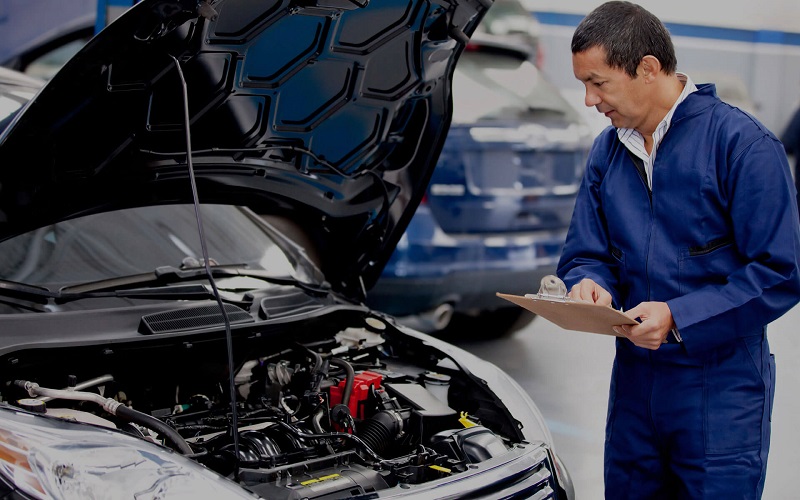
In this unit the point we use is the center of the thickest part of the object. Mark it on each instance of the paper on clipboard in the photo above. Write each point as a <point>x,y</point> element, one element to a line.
<point>571,314</point>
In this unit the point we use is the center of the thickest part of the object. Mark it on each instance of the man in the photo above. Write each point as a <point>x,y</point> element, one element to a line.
<point>686,219</point>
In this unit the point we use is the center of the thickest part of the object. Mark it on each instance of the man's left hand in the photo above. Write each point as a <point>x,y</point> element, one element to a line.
<point>656,323</point>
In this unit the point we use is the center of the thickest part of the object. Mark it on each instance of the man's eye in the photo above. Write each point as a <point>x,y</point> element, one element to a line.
<point>599,84</point>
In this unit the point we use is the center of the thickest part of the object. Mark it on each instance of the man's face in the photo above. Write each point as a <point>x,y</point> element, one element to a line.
<point>610,90</point>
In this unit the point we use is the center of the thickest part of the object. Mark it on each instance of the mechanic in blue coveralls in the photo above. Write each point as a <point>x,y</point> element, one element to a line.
<point>686,219</point>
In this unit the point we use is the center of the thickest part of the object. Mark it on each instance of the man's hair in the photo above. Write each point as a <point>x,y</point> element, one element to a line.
<point>627,32</point>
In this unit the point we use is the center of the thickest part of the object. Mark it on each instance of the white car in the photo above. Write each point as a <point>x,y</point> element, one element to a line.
<point>192,210</point>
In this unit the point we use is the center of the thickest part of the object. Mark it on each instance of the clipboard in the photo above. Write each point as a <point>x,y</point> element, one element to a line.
<point>570,314</point>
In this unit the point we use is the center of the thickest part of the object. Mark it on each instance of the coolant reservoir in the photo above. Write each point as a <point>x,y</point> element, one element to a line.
<point>438,384</point>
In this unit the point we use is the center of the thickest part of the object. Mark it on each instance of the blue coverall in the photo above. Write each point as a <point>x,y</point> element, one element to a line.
<point>718,240</point>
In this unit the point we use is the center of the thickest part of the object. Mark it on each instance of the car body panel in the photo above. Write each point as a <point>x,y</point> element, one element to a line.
<point>343,128</point>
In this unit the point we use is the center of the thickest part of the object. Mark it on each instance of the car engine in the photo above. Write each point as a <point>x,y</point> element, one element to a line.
<point>338,413</point>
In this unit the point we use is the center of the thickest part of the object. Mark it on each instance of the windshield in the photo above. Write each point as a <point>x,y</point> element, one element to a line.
<point>13,97</point>
<point>496,85</point>
<point>139,240</point>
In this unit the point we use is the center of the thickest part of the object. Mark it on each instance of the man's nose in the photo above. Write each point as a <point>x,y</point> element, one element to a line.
<point>591,99</point>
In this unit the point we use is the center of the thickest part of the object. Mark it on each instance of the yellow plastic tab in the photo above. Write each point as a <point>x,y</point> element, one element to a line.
<point>319,479</point>
<point>440,468</point>
<point>465,421</point>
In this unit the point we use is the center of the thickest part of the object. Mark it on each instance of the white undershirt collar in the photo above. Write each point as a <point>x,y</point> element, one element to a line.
<point>634,141</point>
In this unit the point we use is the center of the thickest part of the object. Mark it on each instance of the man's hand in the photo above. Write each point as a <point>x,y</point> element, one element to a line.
<point>656,322</point>
<point>589,291</point>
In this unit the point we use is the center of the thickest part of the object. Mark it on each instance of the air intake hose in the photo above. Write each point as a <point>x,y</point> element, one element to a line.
<point>379,431</point>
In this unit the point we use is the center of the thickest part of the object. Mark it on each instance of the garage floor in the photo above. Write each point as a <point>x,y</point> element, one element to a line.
<point>567,374</point>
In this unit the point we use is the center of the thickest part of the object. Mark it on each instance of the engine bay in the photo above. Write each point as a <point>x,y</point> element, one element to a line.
<point>336,413</point>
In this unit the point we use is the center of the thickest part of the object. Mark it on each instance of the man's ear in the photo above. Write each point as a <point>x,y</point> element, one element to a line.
<point>649,67</point>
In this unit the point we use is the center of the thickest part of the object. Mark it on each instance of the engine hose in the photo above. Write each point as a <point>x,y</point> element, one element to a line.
<point>379,430</point>
<point>349,381</point>
<point>84,385</point>
<point>329,435</point>
<point>316,420</point>
<point>143,419</point>
<point>113,407</point>
<point>375,434</point>
<point>318,363</point>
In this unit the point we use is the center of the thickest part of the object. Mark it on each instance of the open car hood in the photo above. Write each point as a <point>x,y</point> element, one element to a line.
<point>329,112</point>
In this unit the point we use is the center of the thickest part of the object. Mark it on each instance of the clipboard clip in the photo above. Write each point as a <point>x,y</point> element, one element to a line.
<point>551,288</point>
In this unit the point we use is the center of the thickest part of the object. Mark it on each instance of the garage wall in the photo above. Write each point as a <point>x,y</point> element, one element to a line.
<point>757,47</point>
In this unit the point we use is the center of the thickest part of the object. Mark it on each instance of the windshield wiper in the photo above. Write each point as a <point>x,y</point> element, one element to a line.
<point>22,291</point>
<point>24,296</point>
<point>157,285</point>
<point>195,291</point>
<point>168,275</point>
<point>36,298</point>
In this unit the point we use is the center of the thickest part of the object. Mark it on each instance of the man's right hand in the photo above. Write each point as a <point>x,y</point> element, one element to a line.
<point>589,291</point>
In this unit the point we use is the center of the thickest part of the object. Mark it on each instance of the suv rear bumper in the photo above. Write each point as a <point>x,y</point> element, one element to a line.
<point>468,291</point>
